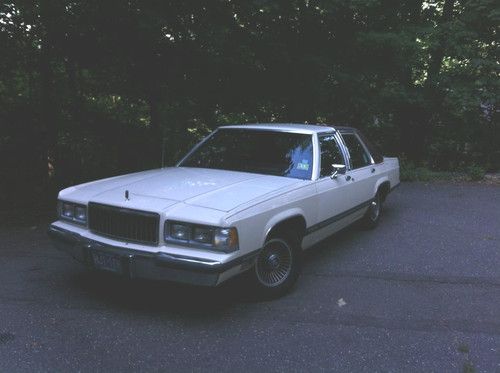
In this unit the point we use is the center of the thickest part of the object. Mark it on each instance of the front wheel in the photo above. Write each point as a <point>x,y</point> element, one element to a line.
<point>277,266</point>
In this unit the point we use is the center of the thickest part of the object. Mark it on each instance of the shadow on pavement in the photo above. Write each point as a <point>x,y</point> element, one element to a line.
<point>157,296</point>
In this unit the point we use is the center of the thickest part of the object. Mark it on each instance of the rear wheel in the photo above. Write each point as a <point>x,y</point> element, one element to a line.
<point>277,266</point>
<point>372,215</point>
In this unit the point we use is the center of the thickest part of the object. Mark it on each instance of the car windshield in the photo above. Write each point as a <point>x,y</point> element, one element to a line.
<point>257,151</point>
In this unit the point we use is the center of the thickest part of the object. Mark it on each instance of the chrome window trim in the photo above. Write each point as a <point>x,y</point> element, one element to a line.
<point>354,133</point>
<point>341,147</point>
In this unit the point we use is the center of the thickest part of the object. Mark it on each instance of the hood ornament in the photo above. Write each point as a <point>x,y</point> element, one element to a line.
<point>126,196</point>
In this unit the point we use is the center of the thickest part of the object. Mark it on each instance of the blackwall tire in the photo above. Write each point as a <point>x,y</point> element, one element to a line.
<point>372,215</point>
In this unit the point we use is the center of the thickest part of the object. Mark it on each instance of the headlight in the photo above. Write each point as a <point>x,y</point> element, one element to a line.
<point>203,235</point>
<point>68,211</point>
<point>180,232</point>
<point>223,239</point>
<point>73,212</point>
<point>81,213</point>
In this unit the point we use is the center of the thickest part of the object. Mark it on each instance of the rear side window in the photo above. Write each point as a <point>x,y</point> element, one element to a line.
<point>359,156</point>
<point>374,151</point>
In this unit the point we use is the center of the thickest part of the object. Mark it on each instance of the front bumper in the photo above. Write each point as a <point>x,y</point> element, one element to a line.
<point>147,265</point>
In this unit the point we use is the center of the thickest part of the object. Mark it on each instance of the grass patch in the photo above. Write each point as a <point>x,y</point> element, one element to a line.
<point>468,367</point>
<point>463,348</point>
<point>411,172</point>
<point>426,174</point>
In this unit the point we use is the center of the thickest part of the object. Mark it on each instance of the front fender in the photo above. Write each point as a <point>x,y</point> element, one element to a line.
<point>280,217</point>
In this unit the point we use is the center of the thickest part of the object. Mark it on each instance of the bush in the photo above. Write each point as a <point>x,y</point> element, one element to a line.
<point>475,172</point>
<point>410,172</point>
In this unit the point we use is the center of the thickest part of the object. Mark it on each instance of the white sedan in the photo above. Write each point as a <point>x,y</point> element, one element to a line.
<point>248,198</point>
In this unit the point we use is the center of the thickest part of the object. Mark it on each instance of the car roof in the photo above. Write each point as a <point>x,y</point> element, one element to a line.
<point>290,127</point>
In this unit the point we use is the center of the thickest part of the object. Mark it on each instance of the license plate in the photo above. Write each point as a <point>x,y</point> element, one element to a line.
<point>107,262</point>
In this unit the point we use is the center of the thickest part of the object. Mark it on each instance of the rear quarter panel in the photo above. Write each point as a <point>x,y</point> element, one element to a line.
<point>387,171</point>
<point>391,165</point>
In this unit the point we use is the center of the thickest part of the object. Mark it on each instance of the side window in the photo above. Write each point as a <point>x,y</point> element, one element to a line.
<point>359,156</point>
<point>374,151</point>
<point>330,154</point>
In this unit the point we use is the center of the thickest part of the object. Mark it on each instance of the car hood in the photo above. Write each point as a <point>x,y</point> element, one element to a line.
<point>157,190</point>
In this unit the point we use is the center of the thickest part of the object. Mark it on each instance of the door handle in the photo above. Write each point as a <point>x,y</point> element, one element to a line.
<point>348,178</point>
<point>373,170</point>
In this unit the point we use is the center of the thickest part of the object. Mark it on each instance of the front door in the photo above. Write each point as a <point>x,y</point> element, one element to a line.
<point>333,194</point>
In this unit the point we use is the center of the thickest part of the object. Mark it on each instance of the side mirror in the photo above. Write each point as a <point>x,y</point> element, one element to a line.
<point>338,169</point>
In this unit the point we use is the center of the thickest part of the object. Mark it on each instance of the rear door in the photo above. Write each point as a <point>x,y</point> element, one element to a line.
<point>362,171</point>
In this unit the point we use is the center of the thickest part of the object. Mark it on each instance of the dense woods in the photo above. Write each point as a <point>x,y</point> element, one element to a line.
<point>96,88</point>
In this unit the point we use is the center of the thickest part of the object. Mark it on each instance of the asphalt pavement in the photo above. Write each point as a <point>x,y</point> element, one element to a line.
<point>419,293</point>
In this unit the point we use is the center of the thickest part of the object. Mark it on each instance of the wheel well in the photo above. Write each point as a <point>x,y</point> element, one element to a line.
<point>384,190</point>
<point>295,224</point>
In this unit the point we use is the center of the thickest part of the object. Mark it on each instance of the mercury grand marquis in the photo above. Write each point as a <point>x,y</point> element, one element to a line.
<point>248,198</point>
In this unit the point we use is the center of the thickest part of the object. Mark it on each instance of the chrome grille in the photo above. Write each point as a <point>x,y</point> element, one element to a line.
<point>125,224</point>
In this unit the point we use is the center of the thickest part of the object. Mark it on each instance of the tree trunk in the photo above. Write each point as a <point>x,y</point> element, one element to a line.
<point>155,129</point>
<point>48,111</point>
<point>416,122</point>
<point>409,114</point>
<point>437,52</point>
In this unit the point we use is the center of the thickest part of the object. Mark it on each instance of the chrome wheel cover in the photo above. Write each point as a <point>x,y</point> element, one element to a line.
<point>274,263</point>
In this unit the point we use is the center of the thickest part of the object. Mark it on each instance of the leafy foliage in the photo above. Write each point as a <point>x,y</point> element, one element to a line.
<point>90,88</point>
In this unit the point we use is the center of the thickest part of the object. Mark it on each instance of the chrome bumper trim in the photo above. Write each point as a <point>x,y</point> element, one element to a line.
<point>154,266</point>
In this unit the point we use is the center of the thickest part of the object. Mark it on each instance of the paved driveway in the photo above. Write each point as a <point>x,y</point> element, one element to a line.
<point>419,293</point>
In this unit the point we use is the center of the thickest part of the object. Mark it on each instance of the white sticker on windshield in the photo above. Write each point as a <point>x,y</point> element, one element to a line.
<point>303,166</point>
